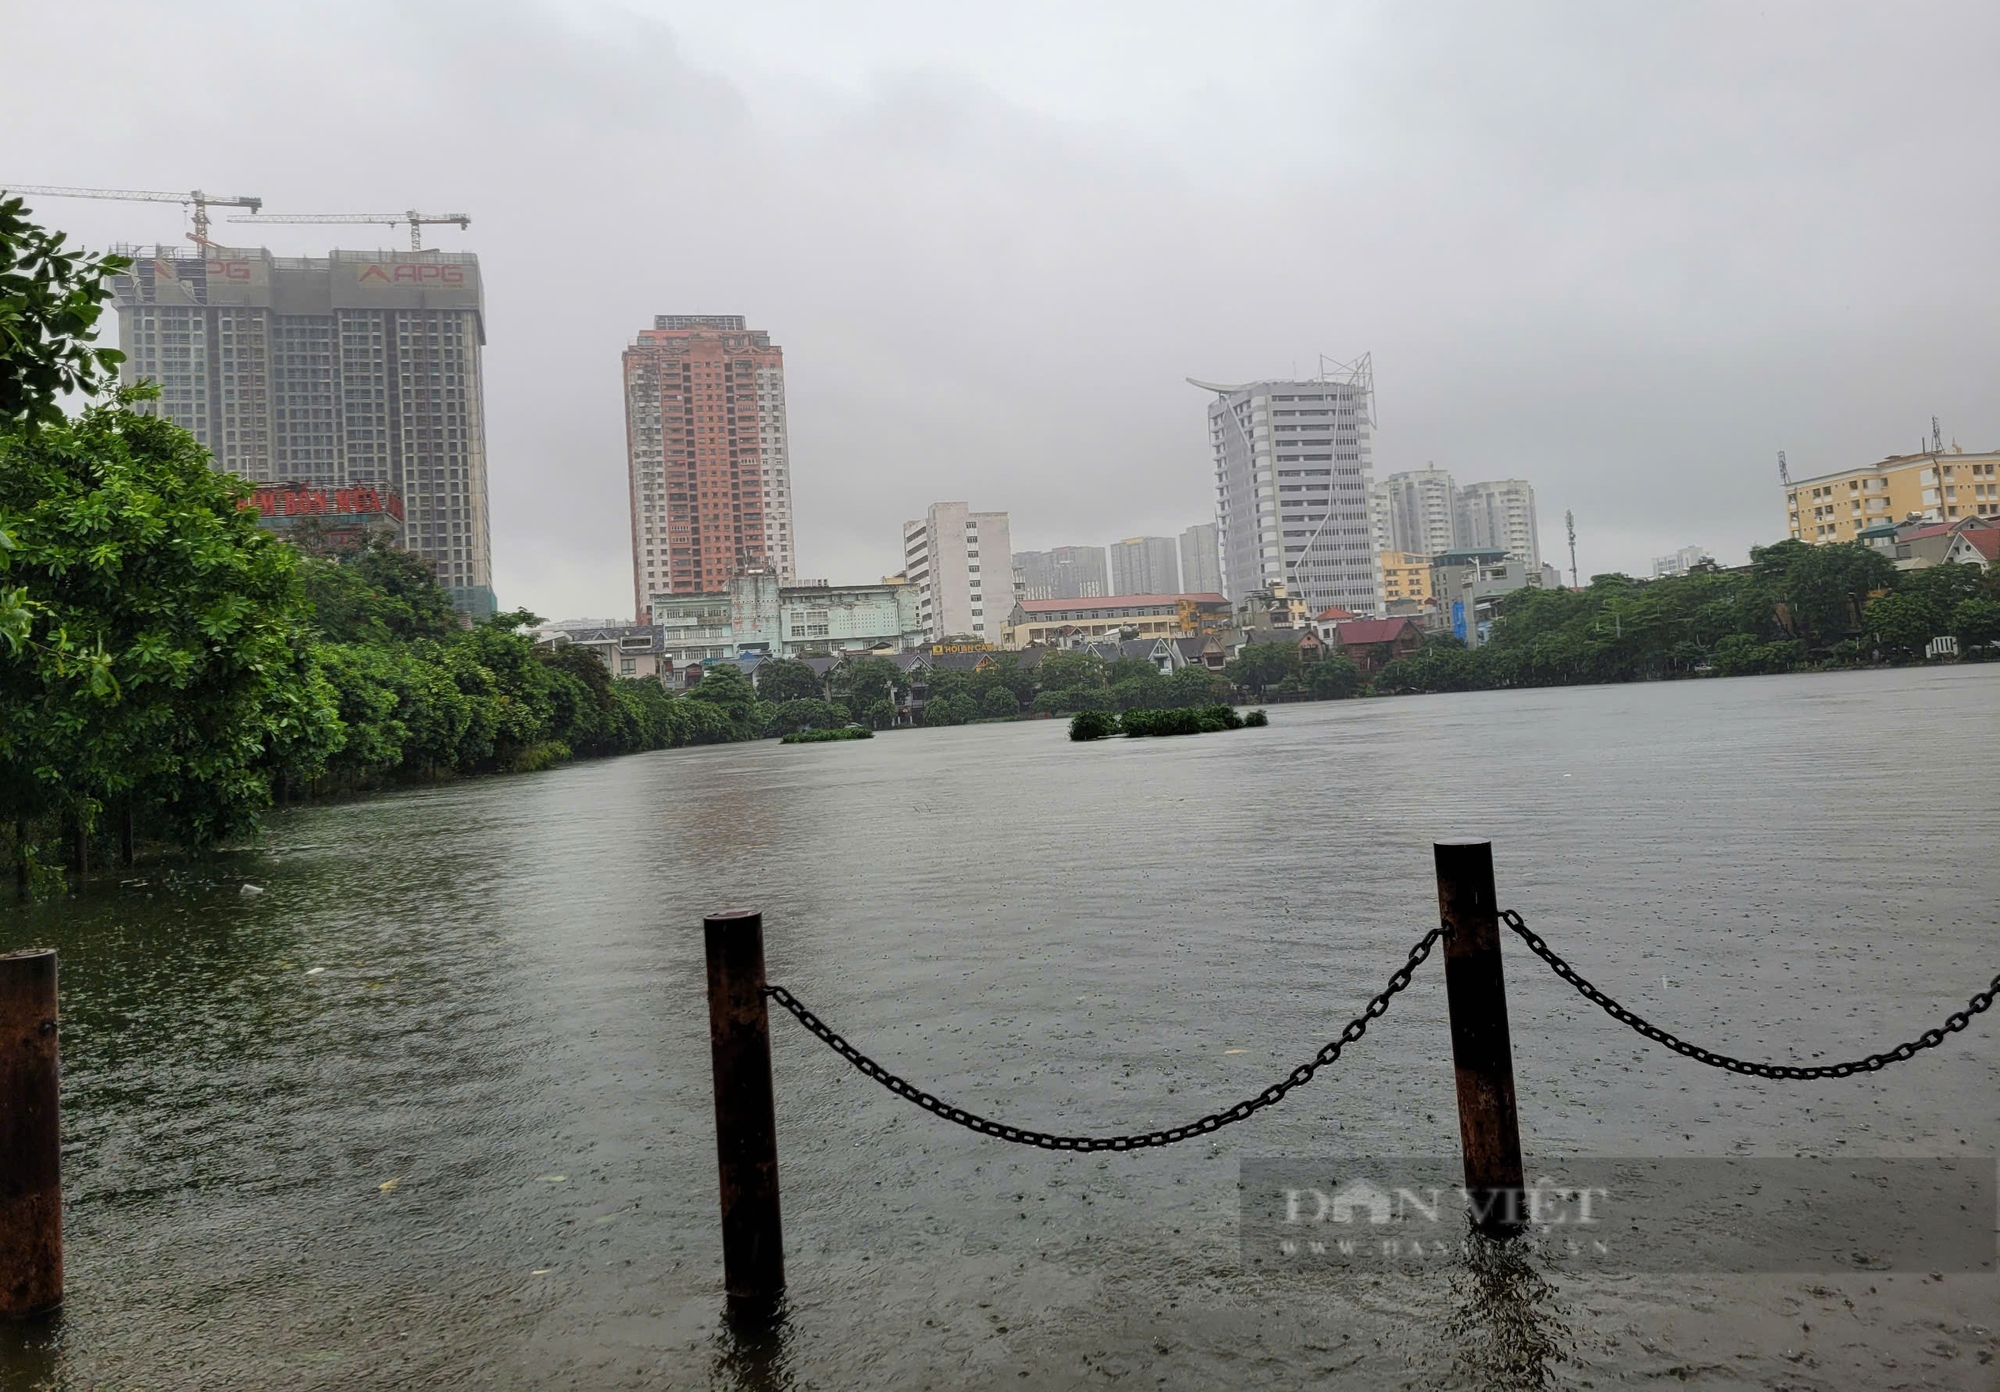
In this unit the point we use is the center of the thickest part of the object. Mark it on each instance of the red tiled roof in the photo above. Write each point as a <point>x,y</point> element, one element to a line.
<point>1365,631</point>
<point>1124,601</point>
<point>1984,540</point>
<point>1333,613</point>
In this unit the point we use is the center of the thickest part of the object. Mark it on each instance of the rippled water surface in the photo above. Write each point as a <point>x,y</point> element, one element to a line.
<point>433,1109</point>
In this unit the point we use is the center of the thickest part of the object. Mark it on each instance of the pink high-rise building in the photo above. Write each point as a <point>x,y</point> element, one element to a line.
<point>711,479</point>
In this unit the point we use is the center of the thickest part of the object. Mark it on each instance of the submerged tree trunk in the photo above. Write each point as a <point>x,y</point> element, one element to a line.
<point>125,834</point>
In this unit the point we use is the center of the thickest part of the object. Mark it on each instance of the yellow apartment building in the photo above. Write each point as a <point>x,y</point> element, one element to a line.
<point>1942,487</point>
<point>1405,575</point>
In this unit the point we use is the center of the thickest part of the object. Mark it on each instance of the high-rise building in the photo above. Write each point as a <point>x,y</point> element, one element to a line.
<point>1066,572</point>
<point>1201,560</point>
<point>1292,477</point>
<point>1145,565</point>
<point>1421,506</point>
<point>1500,515</point>
<point>706,448</point>
<point>362,367</point>
<point>962,563</point>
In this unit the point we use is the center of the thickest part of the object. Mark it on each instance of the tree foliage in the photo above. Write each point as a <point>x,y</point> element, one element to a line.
<point>50,301</point>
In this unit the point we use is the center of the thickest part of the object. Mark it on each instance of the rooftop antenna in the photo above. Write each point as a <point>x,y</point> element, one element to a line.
<point>1937,437</point>
<point>1784,473</point>
<point>1569,521</point>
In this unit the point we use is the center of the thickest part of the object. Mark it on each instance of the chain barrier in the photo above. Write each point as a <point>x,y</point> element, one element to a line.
<point>1929,1039</point>
<point>1214,1121</point>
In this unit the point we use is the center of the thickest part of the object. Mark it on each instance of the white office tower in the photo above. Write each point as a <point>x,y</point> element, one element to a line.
<point>1201,560</point>
<point>1500,514</point>
<point>1292,479</point>
<point>1422,509</point>
<point>962,565</point>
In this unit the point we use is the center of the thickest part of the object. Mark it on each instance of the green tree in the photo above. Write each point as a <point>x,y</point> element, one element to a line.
<point>165,665</point>
<point>1144,690</point>
<point>724,688</point>
<point>803,713</point>
<point>1975,622</point>
<point>999,704</point>
<point>50,301</point>
<point>946,681</point>
<point>1904,622</point>
<point>1193,686</point>
<point>1071,671</point>
<point>1262,665</point>
<point>1003,670</point>
<point>953,708</point>
<point>866,681</point>
<point>788,679</point>
<point>1333,677</point>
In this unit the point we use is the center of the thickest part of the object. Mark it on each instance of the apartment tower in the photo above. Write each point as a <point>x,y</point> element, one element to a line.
<point>1145,565</point>
<point>962,565</point>
<point>1064,572</point>
<point>353,368</point>
<point>1292,478</point>
<point>1501,515</point>
<point>707,454</point>
<point>1201,560</point>
<point>1422,511</point>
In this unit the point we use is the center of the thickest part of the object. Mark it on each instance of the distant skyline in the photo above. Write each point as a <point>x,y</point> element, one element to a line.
<point>1626,254</point>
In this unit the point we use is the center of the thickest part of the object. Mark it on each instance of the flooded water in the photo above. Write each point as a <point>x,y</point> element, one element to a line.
<point>433,1110</point>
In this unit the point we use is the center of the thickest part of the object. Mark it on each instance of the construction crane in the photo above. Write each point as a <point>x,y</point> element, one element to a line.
<point>415,219</point>
<point>200,201</point>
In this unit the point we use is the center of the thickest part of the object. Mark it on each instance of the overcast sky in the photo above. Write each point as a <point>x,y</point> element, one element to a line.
<point>1627,253</point>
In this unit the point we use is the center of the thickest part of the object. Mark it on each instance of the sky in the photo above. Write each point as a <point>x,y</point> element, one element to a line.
<point>1627,253</point>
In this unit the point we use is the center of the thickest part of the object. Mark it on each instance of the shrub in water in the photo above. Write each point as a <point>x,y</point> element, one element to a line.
<point>1093,725</point>
<point>846,732</point>
<point>1256,718</point>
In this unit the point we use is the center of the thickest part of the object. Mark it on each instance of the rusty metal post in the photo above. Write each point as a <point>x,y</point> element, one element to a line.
<point>1481,1052</point>
<point>746,1126</point>
<point>31,1274</point>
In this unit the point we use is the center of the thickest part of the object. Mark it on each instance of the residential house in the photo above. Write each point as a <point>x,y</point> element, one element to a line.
<point>1372,644</point>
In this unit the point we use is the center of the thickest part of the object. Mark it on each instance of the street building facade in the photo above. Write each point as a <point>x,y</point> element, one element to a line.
<point>1063,623</point>
<point>1145,565</point>
<point>1406,578</point>
<point>1065,572</point>
<point>756,614</point>
<point>707,455</point>
<point>1938,486</point>
<point>356,368</point>
<point>1293,471</point>
<point>961,566</point>
<point>1467,585</point>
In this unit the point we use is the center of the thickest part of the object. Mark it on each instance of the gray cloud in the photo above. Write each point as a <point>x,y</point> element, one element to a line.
<point>1625,254</point>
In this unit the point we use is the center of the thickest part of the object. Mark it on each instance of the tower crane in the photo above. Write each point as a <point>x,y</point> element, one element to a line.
<point>200,201</point>
<point>415,219</point>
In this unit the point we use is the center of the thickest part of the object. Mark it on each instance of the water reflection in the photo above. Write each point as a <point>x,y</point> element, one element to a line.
<point>749,1350</point>
<point>1507,1328</point>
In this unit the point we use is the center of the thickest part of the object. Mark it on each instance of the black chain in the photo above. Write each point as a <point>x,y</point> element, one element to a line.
<point>1929,1039</point>
<point>1214,1121</point>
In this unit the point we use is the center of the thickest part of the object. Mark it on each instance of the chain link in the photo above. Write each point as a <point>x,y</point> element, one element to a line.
<point>1929,1039</point>
<point>1214,1121</point>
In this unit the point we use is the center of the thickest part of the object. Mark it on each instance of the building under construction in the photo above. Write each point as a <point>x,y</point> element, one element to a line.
<point>358,368</point>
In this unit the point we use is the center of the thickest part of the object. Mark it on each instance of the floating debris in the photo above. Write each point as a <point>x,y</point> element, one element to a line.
<point>250,890</point>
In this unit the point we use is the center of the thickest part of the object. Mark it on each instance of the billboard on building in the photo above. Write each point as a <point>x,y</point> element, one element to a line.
<point>399,282</point>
